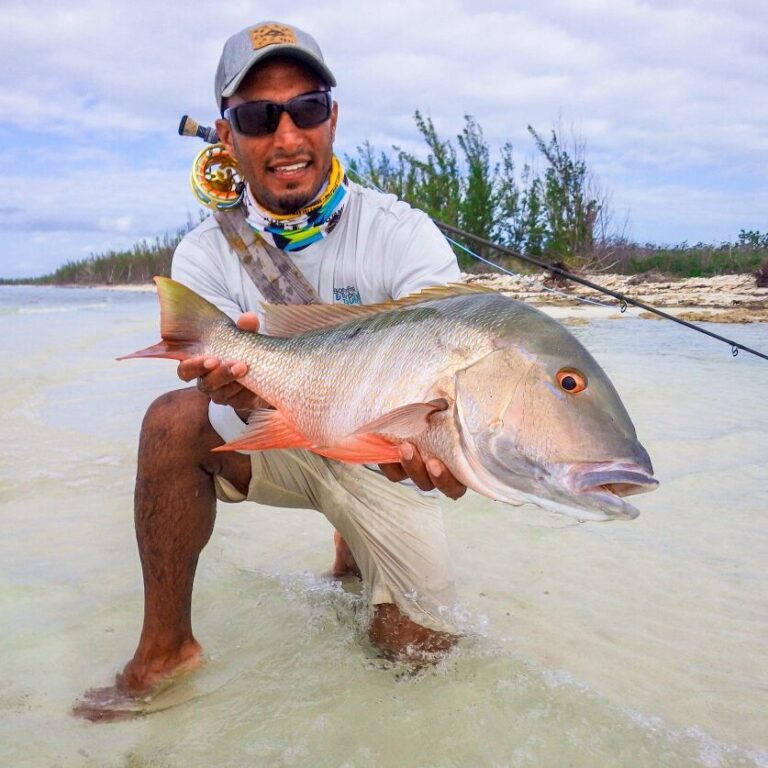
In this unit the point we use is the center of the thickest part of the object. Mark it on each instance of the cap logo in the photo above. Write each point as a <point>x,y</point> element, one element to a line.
<point>271,34</point>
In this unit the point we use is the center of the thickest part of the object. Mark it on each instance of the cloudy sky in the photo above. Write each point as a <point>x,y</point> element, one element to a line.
<point>670,96</point>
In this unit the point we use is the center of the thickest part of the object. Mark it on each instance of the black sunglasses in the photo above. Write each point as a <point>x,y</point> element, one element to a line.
<point>259,118</point>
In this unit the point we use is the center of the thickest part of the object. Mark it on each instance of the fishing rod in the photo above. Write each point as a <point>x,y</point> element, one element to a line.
<point>209,173</point>
<point>451,232</point>
<point>623,299</point>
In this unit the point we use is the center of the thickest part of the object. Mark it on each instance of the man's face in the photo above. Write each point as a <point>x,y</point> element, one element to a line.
<point>265,161</point>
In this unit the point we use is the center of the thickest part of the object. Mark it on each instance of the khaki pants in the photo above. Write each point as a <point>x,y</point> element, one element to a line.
<point>395,532</point>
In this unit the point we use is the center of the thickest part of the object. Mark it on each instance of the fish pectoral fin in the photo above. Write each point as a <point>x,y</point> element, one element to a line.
<point>404,422</point>
<point>267,429</point>
<point>362,449</point>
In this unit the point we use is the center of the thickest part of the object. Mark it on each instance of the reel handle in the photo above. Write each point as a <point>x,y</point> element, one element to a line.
<point>190,127</point>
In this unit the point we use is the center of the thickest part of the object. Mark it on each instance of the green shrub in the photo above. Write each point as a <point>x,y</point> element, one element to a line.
<point>557,215</point>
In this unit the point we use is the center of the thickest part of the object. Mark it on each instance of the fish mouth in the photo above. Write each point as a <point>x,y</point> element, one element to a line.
<point>584,491</point>
<point>621,480</point>
<point>605,485</point>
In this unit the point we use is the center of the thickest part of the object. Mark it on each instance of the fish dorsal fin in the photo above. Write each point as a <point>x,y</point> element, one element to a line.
<point>286,320</point>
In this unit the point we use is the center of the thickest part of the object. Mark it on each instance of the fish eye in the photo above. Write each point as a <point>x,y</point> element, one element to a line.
<point>571,380</point>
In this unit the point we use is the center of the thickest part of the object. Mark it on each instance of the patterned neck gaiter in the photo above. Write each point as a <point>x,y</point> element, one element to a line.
<point>295,231</point>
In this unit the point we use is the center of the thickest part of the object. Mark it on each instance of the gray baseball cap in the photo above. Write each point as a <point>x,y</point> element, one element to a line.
<point>259,42</point>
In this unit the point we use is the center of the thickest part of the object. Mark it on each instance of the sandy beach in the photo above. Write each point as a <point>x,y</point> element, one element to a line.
<point>719,299</point>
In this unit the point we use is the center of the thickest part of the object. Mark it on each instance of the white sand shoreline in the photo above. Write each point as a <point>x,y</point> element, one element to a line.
<point>723,298</point>
<point>719,299</point>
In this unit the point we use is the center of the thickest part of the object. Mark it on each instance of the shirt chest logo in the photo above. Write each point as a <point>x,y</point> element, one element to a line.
<point>348,295</point>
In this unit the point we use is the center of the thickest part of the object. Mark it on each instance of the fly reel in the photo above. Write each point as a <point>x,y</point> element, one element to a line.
<point>216,179</point>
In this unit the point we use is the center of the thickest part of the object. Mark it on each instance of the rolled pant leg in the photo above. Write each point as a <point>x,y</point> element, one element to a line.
<point>395,533</point>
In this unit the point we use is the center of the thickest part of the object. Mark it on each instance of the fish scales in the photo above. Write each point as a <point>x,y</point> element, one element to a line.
<point>332,379</point>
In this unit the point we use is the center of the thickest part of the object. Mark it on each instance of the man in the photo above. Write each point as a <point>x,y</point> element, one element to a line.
<point>279,122</point>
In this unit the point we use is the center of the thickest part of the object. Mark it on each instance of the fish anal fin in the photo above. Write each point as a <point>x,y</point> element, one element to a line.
<point>270,430</point>
<point>267,429</point>
<point>362,449</point>
<point>404,422</point>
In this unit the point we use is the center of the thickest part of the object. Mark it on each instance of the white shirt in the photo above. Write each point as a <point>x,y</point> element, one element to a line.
<point>381,249</point>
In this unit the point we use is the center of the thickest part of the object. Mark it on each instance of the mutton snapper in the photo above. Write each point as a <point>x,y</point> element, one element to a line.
<point>503,395</point>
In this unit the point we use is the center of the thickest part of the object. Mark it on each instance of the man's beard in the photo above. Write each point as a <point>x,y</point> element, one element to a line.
<point>287,203</point>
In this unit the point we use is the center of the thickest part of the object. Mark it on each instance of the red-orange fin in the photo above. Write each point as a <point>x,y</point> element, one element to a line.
<point>404,422</point>
<point>362,449</point>
<point>168,349</point>
<point>267,430</point>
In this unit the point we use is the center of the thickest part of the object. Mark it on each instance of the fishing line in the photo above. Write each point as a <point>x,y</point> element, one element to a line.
<point>622,298</point>
<point>525,278</point>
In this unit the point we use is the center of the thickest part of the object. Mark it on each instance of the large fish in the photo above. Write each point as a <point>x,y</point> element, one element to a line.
<point>505,396</point>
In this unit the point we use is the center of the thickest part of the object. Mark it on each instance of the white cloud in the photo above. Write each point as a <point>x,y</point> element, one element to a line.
<point>671,96</point>
<point>122,224</point>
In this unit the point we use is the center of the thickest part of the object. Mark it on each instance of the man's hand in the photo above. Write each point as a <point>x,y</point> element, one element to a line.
<point>427,475</point>
<point>218,380</point>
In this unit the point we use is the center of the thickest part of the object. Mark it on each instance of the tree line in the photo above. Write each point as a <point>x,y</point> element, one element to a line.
<point>551,208</point>
<point>558,214</point>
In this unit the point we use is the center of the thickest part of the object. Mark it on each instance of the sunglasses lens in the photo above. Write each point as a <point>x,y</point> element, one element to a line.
<point>258,118</point>
<point>310,110</point>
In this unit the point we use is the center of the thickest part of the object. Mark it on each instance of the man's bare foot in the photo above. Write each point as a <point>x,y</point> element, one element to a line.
<point>140,680</point>
<point>401,639</point>
<point>344,561</point>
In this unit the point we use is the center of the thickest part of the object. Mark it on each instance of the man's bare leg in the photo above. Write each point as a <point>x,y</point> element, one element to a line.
<point>343,560</point>
<point>174,510</point>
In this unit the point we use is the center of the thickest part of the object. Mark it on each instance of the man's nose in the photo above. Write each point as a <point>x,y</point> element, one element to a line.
<point>287,136</point>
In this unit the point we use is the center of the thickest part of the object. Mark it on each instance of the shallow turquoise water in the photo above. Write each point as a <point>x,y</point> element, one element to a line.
<point>622,644</point>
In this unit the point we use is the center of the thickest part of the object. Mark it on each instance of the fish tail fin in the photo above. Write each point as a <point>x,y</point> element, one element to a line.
<point>185,319</point>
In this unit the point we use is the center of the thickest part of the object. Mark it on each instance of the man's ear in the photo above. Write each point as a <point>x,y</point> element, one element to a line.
<point>334,119</point>
<point>224,132</point>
